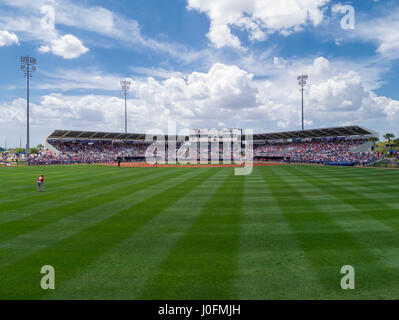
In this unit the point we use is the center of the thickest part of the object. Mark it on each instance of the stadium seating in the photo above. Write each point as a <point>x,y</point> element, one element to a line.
<point>320,151</point>
<point>315,151</point>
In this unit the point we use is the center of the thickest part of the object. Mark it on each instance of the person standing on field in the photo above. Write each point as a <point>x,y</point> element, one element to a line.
<point>40,183</point>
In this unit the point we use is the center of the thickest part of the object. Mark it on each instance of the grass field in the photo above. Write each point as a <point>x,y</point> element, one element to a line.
<point>283,232</point>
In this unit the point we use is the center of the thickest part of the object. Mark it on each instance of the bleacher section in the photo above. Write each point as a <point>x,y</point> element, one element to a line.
<point>338,145</point>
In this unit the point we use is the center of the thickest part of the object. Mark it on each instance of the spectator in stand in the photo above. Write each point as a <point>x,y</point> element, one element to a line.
<point>320,151</point>
<point>316,151</point>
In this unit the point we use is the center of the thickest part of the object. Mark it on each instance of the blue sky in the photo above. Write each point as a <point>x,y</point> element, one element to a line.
<point>200,63</point>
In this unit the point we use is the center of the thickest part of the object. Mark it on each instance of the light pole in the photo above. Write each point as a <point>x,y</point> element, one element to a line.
<point>302,82</point>
<point>28,66</point>
<point>125,84</point>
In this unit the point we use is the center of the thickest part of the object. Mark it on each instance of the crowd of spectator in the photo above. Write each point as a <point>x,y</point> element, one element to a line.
<point>313,151</point>
<point>320,151</point>
<point>106,151</point>
<point>96,151</point>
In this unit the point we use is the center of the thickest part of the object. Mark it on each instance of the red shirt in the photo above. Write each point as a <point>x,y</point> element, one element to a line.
<point>41,179</point>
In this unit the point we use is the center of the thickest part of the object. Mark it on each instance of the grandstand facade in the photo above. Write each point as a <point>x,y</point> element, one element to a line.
<point>344,145</point>
<point>346,131</point>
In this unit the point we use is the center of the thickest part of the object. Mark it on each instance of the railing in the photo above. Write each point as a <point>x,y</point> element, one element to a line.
<point>66,162</point>
<point>385,163</point>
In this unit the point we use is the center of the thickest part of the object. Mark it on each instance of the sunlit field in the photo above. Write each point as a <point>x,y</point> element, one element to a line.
<point>283,232</point>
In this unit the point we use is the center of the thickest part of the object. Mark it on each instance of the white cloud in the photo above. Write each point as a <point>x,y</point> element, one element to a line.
<point>69,79</point>
<point>68,47</point>
<point>335,95</point>
<point>13,112</point>
<point>223,96</point>
<point>201,97</point>
<point>194,100</point>
<point>96,19</point>
<point>258,18</point>
<point>379,29</point>
<point>8,38</point>
<point>157,72</point>
<point>56,110</point>
<point>383,31</point>
<point>44,49</point>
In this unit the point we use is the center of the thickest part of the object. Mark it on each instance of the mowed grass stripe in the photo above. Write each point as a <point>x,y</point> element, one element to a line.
<point>367,181</point>
<point>270,258</point>
<point>21,174</point>
<point>334,172</point>
<point>123,271</point>
<point>334,204</point>
<point>55,192</point>
<point>363,180</point>
<point>203,264</point>
<point>53,175</point>
<point>75,200</point>
<point>370,239</point>
<point>326,252</point>
<point>15,191</point>
<point>373,185</point>
<point>54,226</point>
<point>292,271</point>
<point>42,232</point>
<point>71,255</point>
<point>374,208</point>
<point>67,183</point>
<point>47,236</point>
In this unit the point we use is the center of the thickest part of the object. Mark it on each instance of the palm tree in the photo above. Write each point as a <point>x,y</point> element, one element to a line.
<point>389,136</point>
<point>374,140</point>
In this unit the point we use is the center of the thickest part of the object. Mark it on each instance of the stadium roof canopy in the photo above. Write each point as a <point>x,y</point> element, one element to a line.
<point>71,134</point>
<point>313,133</point>
<point>2,149</point>
<point>317,133</point>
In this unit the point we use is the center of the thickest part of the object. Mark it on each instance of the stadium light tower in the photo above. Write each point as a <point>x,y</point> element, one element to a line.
<point>28,66</point>
<point>302,83</point>
<point>125,87</point>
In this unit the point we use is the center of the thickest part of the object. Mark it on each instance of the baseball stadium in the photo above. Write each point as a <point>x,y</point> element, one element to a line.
<point>198,153</point>
<point>115,226</point>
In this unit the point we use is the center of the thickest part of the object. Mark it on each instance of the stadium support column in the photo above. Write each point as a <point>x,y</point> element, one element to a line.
<point>28,66</point>
<point>125,112</point>
<point>302,83</point>
<point>303,127</point>
<point>27,114</point>
<point>125,87</point>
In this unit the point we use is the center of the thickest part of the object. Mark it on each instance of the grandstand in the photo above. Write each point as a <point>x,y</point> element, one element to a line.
<point>335,146</point>
<point>347,131</point>
<point>346,145</point>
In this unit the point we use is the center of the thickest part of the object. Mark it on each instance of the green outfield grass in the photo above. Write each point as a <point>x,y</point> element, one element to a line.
<point>283,232</point>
